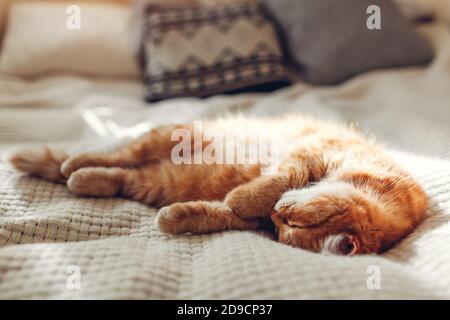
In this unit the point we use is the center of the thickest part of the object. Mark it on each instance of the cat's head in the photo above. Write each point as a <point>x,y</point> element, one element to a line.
<point>345,243</point>
<point>341,220</point>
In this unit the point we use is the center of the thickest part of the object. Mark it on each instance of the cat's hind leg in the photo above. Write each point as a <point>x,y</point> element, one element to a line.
<point>57,166</point>
<point>97,182</point>
<point>142,184</point>
<point>151,147</point>
<point>199,217</point>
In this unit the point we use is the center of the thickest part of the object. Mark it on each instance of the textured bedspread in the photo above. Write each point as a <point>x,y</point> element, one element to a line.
<point>55,245</point>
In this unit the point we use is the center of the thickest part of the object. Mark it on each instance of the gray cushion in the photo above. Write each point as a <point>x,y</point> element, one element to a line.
<point>330,41</point>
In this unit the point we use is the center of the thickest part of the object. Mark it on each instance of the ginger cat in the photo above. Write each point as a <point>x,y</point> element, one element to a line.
<point>333,190</point>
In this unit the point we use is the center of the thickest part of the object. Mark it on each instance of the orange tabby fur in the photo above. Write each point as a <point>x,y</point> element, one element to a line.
<point>331,180</point>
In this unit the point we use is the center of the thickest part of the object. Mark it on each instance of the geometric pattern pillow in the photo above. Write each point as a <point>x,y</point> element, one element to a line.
<point>205,50</point>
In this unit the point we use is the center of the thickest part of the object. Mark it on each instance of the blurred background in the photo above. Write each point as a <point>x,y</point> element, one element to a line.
<point>85,62</point>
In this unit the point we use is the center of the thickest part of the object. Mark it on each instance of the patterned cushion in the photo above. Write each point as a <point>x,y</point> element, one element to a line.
<point>203,50</point>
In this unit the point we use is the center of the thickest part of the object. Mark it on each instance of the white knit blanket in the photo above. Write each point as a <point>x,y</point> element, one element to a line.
<point>55,245</point>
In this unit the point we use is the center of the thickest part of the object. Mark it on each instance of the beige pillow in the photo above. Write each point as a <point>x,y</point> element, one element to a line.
<point>5,4</point>
<point>38,42</point>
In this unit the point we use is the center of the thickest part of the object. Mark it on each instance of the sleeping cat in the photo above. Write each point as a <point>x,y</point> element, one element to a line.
<point>332,190</point>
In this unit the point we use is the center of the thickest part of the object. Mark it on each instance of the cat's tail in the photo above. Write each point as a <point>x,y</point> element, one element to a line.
<point>41,162</point>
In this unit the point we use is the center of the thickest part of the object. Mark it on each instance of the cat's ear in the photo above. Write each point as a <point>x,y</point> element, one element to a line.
<point>342,244</point>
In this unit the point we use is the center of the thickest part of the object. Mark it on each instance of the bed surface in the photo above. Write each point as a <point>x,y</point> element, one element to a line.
<point>45,231</point>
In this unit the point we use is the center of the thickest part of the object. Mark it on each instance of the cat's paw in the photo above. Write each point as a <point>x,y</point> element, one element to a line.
<point>96,182</point>
<point>318,217</point>
<point>314,205</point>
<point>165,220</point>
<point>199,217</point>
<point>256,199</point>
<point>74,163</point>
<point>178,218</point>
<point>241,203</point>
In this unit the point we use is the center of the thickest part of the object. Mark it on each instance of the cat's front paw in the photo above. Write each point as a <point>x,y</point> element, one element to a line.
<point>256,199</point>
<point>325,217</point>
<point>185,217</point>
<point>171,220</point>
<point>243,205</point>
<point>199,217</point>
